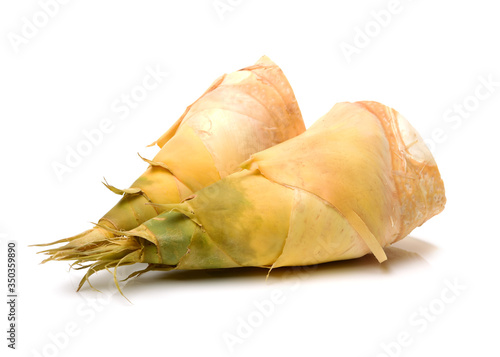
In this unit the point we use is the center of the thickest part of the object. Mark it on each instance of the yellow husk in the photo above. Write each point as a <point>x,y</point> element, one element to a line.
<point>358,180</point>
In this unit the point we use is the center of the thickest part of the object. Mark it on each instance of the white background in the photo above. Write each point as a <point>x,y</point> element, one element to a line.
<point>425,61</point>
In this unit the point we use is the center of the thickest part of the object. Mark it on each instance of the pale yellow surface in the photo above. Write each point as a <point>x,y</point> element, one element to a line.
<point>188,159</point>
<point>318,233</point>
<point>344,158</point>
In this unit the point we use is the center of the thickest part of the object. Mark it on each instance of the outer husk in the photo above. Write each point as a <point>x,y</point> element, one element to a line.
<point>358,180</point>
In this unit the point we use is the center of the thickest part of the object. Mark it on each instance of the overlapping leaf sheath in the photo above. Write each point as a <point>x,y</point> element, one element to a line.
<point>241,113</point>
<point>358,180</point>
